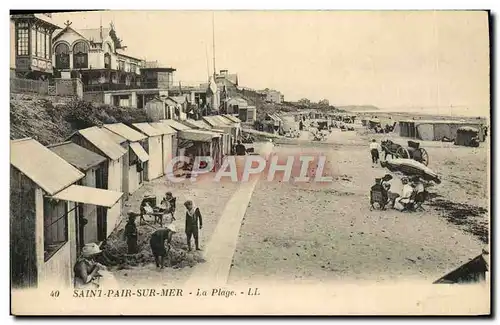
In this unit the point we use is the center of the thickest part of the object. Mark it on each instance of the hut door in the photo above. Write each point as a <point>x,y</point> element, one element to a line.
<point>99,178</point>
<point>80,228</point>
<point>100,182</point>
<point>101,223</point>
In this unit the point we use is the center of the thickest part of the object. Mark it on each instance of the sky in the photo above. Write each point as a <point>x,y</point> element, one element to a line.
<point>392,59</point>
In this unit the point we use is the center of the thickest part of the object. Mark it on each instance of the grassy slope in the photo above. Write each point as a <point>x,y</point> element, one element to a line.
<point>51,119</point>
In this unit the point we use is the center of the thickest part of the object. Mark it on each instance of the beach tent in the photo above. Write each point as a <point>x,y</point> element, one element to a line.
<point>435,130</point>
<point>473,271</point>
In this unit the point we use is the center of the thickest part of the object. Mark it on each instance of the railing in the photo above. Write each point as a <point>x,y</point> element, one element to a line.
<point>27,85</point>
<point>120,86</point>
<point>132,85</point>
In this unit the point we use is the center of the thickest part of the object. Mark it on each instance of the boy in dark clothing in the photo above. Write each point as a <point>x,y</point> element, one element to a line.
<point>131,233</point>
<point>193,216</point>
<point>378,190</point>
<point>240,149</point>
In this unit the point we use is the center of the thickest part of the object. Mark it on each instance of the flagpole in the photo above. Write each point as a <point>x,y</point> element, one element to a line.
<point>213,41</point>
<point>208,65</point>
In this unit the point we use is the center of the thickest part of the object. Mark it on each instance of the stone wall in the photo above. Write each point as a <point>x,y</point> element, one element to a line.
<point>94,96</point>
<point>69,87</point>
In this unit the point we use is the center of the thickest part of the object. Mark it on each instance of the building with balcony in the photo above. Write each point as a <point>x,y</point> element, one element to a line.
<point>96,56</point>
<point>155,76</point>
<point>31,45</point>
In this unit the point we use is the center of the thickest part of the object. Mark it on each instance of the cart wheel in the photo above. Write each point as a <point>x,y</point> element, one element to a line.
<point>402,153</point>
<point>424,156</point>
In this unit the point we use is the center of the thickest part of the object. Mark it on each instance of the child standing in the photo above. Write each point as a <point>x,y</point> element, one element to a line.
<point>374,151</point>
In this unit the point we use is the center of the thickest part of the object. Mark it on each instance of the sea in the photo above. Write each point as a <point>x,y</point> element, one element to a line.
<point>483,112</point>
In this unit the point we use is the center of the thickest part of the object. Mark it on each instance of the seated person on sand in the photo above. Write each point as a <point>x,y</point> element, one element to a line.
<point>86,269</point>
<point>378,188</point>
<point>401,201</point>
<point>146,208</point>
<point>387,186</point>
<point>419,191</point>
<point>168,203</point>
<point>418,185</point>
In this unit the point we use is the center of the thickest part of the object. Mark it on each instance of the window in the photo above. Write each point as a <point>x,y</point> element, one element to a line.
<point>47,45</point>
<point>62,56</point>
<point>80,55</point>
<point>40,43</point>
<point>121,65</point>
<point>107,61</point>
<point>22,39</point>
<point>107,56</point>
<point>133,67</point>
<point>34,40</point>
<point>55,218</point>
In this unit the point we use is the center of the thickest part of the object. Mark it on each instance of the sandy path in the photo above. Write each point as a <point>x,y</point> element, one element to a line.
<point>221,247</point>
<point>312,233</point>
<point>210,197</point>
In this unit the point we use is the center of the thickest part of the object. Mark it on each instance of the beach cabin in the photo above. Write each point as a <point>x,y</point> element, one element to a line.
<point>198,142</point>
<point>92,165</point>
<point>125,160</point>
<point>169,143</point>
<point>436,130</point>
<point>45,216</point>
<point>235,121</point>
<point>248,114</point>
<point>273,124</point>
<point>220,122</point>
<point>137,156</point>
<point>233,105</point>
<point>154,148</point>
<point>178,105</point>
<point>177,126</point>
<point>156,110</point>
<point>202,125</point>
<point>99,141</point>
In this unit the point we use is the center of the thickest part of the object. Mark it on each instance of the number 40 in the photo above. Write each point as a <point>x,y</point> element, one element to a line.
<point>54,294</point>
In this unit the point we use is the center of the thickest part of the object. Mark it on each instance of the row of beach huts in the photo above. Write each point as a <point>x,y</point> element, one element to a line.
<point>432,129</point>
<point>72,193</point>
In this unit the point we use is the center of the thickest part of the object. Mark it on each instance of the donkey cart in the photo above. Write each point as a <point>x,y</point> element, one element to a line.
<point>412,152</point>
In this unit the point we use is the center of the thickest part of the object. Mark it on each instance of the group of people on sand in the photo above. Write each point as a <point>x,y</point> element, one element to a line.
<point>88,271</point>
<point>412,187</point>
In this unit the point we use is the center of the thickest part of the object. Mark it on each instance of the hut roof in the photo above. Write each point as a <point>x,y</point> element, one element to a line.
<point>45,168</point>
<point>125,132</point>
<point>102,141</point>
<point>81,158</point>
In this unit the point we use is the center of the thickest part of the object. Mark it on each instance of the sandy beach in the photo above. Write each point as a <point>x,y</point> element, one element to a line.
<point>309,233</point>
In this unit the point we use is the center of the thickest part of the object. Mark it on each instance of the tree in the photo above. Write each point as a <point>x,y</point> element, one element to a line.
<point>304,102</point>
<point>324,102</point>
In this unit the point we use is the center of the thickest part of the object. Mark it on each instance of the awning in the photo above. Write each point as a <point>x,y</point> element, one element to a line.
<point>139,151</point>
<point>89,195</point>
<point>198,135</point>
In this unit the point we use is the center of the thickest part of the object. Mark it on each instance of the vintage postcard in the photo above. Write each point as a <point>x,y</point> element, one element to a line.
<point>250,163</point>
